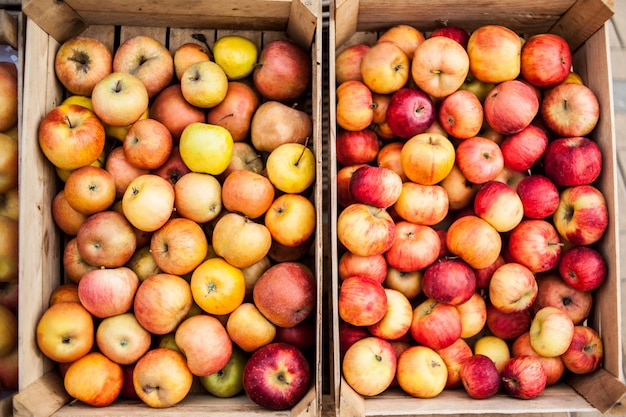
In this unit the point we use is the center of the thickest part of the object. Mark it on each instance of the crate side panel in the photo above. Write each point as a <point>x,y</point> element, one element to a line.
<point>39,241</point>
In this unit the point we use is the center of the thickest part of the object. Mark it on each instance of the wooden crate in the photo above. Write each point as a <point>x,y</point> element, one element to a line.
<point>582,23</point>
<point>48,24</point>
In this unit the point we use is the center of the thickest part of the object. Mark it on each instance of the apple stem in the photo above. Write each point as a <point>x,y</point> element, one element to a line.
<point>200,37</point>
<point>306,142</point>
<point>250,160</point>
<point>225,116</point>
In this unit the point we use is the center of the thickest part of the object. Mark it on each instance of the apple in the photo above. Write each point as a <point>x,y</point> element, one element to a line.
<point>453,356</point>
<point>148,59</point>
<point>228,381</point>
<point>74,265</point>
<point>122,339</point>
<point>348,62</point>
<point>427,158</point>
<point>572,161</point>
<point>204,84</point>
<point>161,378</point>
<point>174,168</point>
<point>235,112</point>
<point>128,389</point>
<point>369,366</point>
<point>283,71</point>
<point>217,287</point>
<point>106,239</point>
<point>407,37</point>
<point>582,215</point>
<point>186,54</point>
<point>494,53</point>
<point>119,99</point>
<point>206,148</point>
<point>248,328</point>
<point>122,170</point>
<point>71,136</point>
<point>8,163</point>
<point>80,62</point>
<point>376,186</point>
<point>241,241</point>
<point>523,377</point>
<point>546,60</point>
<point>355,147</point>
<point>94,379</point>
<point>449,281</point>
<point>414,247</point>
<point>483,275</point>
<point>8,330</point>
<point>362,301</point>
<point>354,105</point>
<point>170,108</point>
<point>554,367</point>
<point>291,220</point>
<point>512,287</point>
<point>397,319</point>
<point>389,156</point>
<point>107,292</point>
<point>570,110</point>
<point>90,189</point>
<point>303,335</point>
<point>291,167</point>
<point>179,246</point>
<point>422,204</point>
<point>286,293</point>
<point>510,107</point>
<point>9,203</point>
<point>65,332</point>
<point>280,252</point>
<point>247,192</point>
<point>204,342</point>
<point>349,334</point>
<point>379,122</point>
<point>366,230</point>
<point>244,157</point>
<point>473,313</point>
<point>457,33</point>
<point>440,66</point>
<point>9,294</point>
<point>142,263</point>
<point>539,195</point>
<point>421,372</point>
<point>236,54</point>
<point>474,240</point>
<point>476,86</point>
<point>198,197</point>
<point>461,114</point>
<point>274,123</point>
<point>161,303</point>
<point>480,377</point>
<point>343,177</point>
<point>523,149</point>
<point>9,254</point>
<point>374,266</point>
<point>9,94</point>
<point>551,331</point>
<point>583,268</point>
<point>509,325</point>
<point>276,376</point>
<point>148,202</point>
<point>9,371</point>
<point>436,325</point>
<point>586,351</point>
<point>499,205</point>
<point>410,112</point>
<point>479,159</point>
<point>460,191</point>
<point>385,68</point>
<point>408,283</point>
<point>495,348</point>
<point>554,291</point>
<point>535,244</point>
<point>148,144</point>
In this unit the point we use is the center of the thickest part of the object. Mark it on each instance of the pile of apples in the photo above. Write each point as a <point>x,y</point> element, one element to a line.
<point>185,205</point>
<point>468,214</point>
<point>9,213</point>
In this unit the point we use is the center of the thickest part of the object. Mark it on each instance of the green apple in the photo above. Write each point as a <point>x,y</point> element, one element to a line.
<point>228,381</point>
<point>476,86</point>
<point>206,148</point>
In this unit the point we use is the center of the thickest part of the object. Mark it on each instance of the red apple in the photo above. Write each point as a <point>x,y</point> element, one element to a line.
<point>479,159</point>
<point>539,195</point>
<point>356,147</point>
<point>389,156</point>
<point>449,281</point>
<point>435,324</point>
<point>148,144</point>
<point>276,376</point>
<point>302,335</point>
<point>410,112</point>
<point>512,288</point>
<point>348,63</point>
<point>553,367</point>
<point>586,351</point>
<point>572,161</point>
<point>546,60</point>
<point>171,109</point>
<point>173,168</point>
<point>415,247</point>
<point>453,356</point>
<point>106,239</point>
<point>349,334</point>
<point>510,107</point>
<point>461,114</point>
<point>107,292</point>
<point>480,377</point>
<point>535,244</point>
<point>354,107</point>
<point>474,240</point>
<point>483,275</point>
<point>376,186</point>
<point>507,326</point>
<point>499,205</point>
<point>457,33</point>
<point>362,301</point>
<point>582,215</point>
<point>205,343</point>
<point>570,110</point>
<point>553,291</point>
<point>122,170</point>
<point>236,110</point>
<point>523,149</point>
<point>366,230</point>
<point>523,377</point>
<point>583,268</point>
<point>374,266</point>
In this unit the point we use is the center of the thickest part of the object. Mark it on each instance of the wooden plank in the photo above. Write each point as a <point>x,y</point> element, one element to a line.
<point>303,21</point>
<point>41,398</point>
<point>55,18</point>
<point>602,390</point>
<point>8,28</point>
<point>582,20</point>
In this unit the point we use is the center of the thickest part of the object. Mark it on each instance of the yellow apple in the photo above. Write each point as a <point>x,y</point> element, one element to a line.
<point>206,148</point>
<point>236,55</point>
<point>291,219</point>
<point>204,84</point>
<point>291,167</point>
